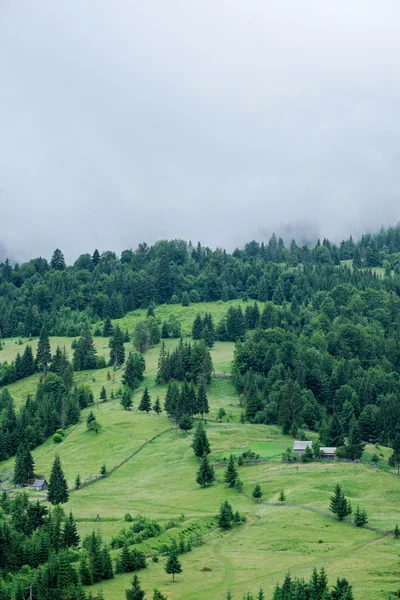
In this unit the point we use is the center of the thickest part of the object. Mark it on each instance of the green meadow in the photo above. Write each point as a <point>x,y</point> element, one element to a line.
<point>159,482</point>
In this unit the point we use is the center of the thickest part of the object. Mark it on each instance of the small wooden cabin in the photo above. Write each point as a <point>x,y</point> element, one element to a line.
<point>327,452</point>
<point>39,485</point>
<point>300,447</point>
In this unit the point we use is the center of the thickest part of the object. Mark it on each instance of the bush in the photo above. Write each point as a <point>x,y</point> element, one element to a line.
<point>61,432</point>
<point>100,362</point>
<point>128,518</point>
<point>340,452</point>
<point>57,438</point>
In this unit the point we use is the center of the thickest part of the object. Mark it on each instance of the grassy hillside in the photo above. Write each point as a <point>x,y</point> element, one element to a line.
<point>159,482</point>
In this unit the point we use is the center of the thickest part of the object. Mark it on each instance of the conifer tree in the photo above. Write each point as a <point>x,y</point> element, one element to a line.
<point>126,398</point>
<point>24,465</point>
<point>339,505</point>
<point>202,401</point>
<point>145,403</point>
<point>58,489</point>
<point>108,328</point>
<point>84,570</point>
<point>200,443</point>
<point>70,536</point>
<point>396,531</point>
<point>205,474</point>
<point>78,481</point>
<point>57,260</point>
<point>103,393</point>
<point>85,352</point>
<point>96,257</point>
<point>197,329</point>
<point>157,406</point>
<point>282,496</point>
<point>225,516</point>
<point>157,595</point>
<point>135,592</point>
<point>231,473</point>
<point>135,367</point>
<point>173,566</point>
<point>27,362</point>
<point>117,349</point>
<point>163,371</point>
<point>355,446</point>
<point>257,492</point>
<point>360,517</point>
<point>43,353</point>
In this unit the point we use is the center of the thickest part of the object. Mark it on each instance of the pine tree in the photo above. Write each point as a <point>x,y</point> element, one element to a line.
<point>27,362</point>
<point>163,370</point>
<point>43,353</point>
<point>70,536</point>
<point>78,481</point>
<point>360,517</point>
<point>103,393</point>
<point>145,403</point>
<point>197,329</point>
<point>108,328</point>
<point>157,595</point>
<point>96,257</point>
<point>58,489</point>
<point>84,570</point>
<point>85,352</point>
<point>225,516</point>
<point>396,531</point>
<point>339,505</point>
<point>126,398</point>
<point>173,566</point>
<point>57,260</point>
<point>355,446</point>
<point>24,466</point>
<point>257,492</point>
<point>202,401</point>
<point>231,474</point>
<point>205,474</point>
<point>136,592</point>
<point>117,349</point>
<point>200,444</point>
<point>282,496</point>
<point>157,406</point>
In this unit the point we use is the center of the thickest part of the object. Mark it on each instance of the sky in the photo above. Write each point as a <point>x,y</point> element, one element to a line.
<point>213,120</point>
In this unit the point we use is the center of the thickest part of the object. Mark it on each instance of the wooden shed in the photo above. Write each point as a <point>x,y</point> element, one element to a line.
<point>299,447</point>
<point>39,484</point>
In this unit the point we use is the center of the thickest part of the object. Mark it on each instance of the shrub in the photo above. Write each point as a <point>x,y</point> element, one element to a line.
<point>57,438</point>
<point>128,518</point>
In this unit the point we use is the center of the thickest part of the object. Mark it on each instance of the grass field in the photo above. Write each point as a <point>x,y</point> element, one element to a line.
<point>159,482</point>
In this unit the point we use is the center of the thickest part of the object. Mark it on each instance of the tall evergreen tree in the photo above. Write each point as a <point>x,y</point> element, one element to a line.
<point>126,398</point>
<point>57,260</point>
<point>135,592</point>
<point>145,403</point>
<point>202,401</point>
<point>134,369</point>
<point>58,489</point>
<point>173,566</point>
<point>96,257</point>
<point>108,328</point>
<point>205,474</point>
<point>27,362</point>
<point>339,504</point>
<point>43,353</point>
<point>117,349</point>
<point>24,465</point>
<point>70,534</point>
<point>200,443</point>
<point>355,446</point>
<point>85,352</point>
<point>197,329</point>
<point>231,473</point>
<point>157,406</point>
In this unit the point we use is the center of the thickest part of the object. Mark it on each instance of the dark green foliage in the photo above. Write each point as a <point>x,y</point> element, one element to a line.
<point>117,349</point>
<point>257,492</point>
<point>225,517</point>
<point>135,592</point>
<point>130,560</point>
<point>186,363</point>
<point>157,595</point>
<point>200,443</point>
<point>24,465</point>
<point>231,475</point>
<point>173,566</point>
<point>360,517</point>
<point>126,398</point>
<point>396,531</point>
<point>394,459</point>
<point>339,505</point>
<point>185,422</point>
<point>134,370</point>
<point>70,535</point>
<point>43,353</point>
<point>57,260</point>
<point>103,393</point>
<point>355,446</point>
<point>58,488</point>
<point>157,406</point>
<point>85,352</point>
<point>205,474</point>
<point>145,402</point>
<point>315,589</point>
<point>202,401</point>
<point>108,329</point>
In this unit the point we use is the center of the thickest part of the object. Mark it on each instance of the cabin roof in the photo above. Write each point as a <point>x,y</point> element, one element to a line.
<point>302,445</point>
<point>328,449</point>
<point>39,482</point>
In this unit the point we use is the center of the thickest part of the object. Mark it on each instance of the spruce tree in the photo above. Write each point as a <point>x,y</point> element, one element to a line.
<point>134,369</point>
<point>231,473</point>
<point>173,566</point>
<point>117,349</point>
<point>43,353</point>
<point>205,474</point>
<point>197,329</point>
<point>70,535</point>
<point>135,592</point>
<point>85,352</point>
<point>257,492</point>
<point>282,496</point>
<point>96,257</point>
<point>58,489</point>
<point>78,481</point>
<point>24,465</point>
<point>163,370</point>
<point>27,362</point>
<point>157,595</point>
<point>200,443</point>
<point>126,398</point>
<point>108,329</point>
<point>360,517</point>
<point>339,505</point>
<point>145,403</point>
<point>157,406</point>
<point>355,446</point>
<point>103,393</point>
<point>225,516</point>
<point>202,401</point>
<point>57,260</point>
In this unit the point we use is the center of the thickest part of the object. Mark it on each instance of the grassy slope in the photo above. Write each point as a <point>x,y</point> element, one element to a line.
<point>160,482</point>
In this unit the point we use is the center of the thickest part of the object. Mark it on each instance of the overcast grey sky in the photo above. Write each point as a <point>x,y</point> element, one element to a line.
<point>124,121</point>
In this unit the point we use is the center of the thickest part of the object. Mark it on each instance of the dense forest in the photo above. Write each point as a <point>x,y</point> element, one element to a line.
<point>64,298</point>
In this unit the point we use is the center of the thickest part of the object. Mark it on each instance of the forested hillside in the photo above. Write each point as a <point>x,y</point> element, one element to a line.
<point>99,285</point>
